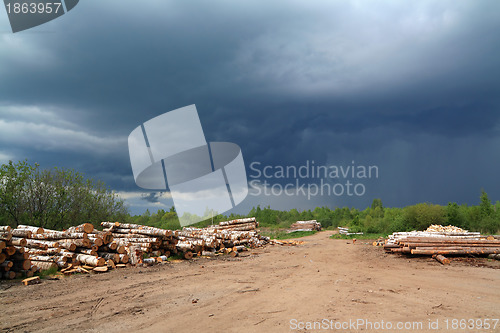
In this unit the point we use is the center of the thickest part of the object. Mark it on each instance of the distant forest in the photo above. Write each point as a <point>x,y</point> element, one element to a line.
<point>378,219</point>
<point>60,198</point>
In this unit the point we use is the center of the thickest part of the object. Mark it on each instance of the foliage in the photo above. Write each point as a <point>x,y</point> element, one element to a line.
<point>54,199</point>
<point>375,220</point>
<point>48,272</point>
<point>59,198</point>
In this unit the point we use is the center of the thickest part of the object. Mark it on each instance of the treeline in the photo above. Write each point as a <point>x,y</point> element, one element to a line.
<point>54,199</point>
<point>60,198</point>
<point>484,217</point>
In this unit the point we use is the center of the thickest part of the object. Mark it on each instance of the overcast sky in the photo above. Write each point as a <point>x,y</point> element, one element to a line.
<point>412,87</point>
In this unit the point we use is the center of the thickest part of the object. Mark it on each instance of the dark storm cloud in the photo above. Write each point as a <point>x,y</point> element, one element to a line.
<point>410,86</point>
<point>151,197</point>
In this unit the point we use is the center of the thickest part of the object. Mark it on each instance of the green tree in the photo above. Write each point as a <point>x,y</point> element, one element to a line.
<point>14,178</point>
<point>422,215</point>
<point>485,205</point>
<point>455,216</point>
<point>54,199</point>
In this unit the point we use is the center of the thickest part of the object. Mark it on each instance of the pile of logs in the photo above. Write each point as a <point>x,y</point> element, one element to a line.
<point>440,243</point>
<point>464,234</point>
<point>14,262</point>
<point>227,237</point>
<point>27,249</point>
<point>312,225</point>
<point>447,229</point>
<point>44,249</point>
<point>345,231</point>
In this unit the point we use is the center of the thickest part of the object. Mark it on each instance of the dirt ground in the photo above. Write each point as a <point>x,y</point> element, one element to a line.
<point>327,284</point>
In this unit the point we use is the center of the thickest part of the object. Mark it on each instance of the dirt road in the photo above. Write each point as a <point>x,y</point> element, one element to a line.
<point>275,289</point>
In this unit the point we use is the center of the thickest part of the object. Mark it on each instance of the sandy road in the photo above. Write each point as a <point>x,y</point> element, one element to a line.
<point>274,289</point>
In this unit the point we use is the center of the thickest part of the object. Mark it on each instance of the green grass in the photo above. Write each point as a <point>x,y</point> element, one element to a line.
<point>363,236</point>
<point>47,272</point>
<point>175,257</point>
<point>282,234</point>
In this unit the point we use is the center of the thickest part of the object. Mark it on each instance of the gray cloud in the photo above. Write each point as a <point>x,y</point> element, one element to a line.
<point>410,86</point>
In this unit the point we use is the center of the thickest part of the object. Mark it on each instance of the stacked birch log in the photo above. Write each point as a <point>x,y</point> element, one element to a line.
<point>27,249</point>
<point>43,249</point>
<point>311,225</point>
<point>345,231</point>
<point>227,237</point>
<point>438,241</point>
<point>14,262</point>
<point>137,240</point>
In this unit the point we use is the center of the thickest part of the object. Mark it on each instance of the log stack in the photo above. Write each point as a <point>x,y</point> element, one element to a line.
<point>135,240</point>
<point>311,225</point>
<point>51,249</point>
<point>26,249</point>
<point>14,262</point>
<point>347,232</point>
<point>439,241</point>
<point>227,237</point>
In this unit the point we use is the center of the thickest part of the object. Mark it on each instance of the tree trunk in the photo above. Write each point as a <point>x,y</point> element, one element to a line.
<point>35,230</point>
<point>45,265</point>
<point>85,227</point>
<point>90,260</point>
<point>6,235</point>
<point>124,258</point>
<point>21,233</point>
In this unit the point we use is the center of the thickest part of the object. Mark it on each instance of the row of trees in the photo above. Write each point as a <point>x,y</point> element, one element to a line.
<point>54,199</point>
<point>374,219</point>
<point>60,198</point>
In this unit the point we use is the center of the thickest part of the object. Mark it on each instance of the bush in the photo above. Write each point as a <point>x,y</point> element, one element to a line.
<point>421,216</point>
<point>489,225</point>
<point>55,198</point>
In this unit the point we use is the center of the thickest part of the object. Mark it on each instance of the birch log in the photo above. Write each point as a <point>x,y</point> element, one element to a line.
<point>85,227</point>
<point>45,265</point>
<point>90,260</point>
<point>22,233</point>
<point>35,230</point>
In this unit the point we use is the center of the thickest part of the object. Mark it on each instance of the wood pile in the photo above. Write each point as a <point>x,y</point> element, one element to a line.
<point>227,237</point>
<point>439,242</point>
<point>14,261</point>
<point>447,229</point>
<point>396,236</point>
<point>46,249</point>
<point>345,231</point>
<point>311,225</point>
<point>81,249</point>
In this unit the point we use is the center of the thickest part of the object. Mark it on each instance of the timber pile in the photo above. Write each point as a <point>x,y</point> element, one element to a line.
<point>51,249</point>
<point>447,229</point>
<point>312,225</point>
<point>345,231</point>
<point>26,249</point>
<point>444,241</point>
<point>227,237</point>
<point>455,234</point>
<point>136,240</point>
<point>14,262</point>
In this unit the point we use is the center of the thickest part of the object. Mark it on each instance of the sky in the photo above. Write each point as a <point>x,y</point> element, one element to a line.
<point>411,87</point>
